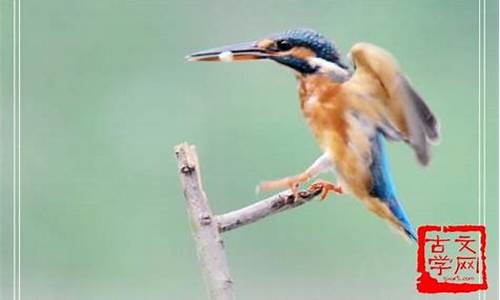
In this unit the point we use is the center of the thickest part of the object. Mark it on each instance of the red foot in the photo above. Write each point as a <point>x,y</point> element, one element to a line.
<point>326,187</point>
<point>291,182</point>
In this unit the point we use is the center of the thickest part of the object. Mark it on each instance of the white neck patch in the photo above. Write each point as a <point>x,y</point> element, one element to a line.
<point>328,67</point>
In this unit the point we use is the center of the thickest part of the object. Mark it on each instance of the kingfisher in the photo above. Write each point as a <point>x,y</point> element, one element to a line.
<point>351,108</point>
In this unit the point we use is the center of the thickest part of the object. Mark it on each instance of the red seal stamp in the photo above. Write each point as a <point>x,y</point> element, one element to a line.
<point>451,259</point>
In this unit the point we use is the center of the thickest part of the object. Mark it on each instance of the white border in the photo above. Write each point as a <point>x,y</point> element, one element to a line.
<point>16,149</point>
<point>482,119</point>
<point>16,145</point>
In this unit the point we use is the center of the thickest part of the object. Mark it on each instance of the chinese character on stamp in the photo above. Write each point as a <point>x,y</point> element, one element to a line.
<point>451,259</point>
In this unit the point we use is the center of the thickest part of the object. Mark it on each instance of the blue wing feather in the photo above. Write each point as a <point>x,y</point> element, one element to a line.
<point>383,186</point>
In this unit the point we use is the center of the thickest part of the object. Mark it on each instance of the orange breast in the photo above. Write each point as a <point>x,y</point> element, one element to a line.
<point>324,104</point>
<point>323,107</point>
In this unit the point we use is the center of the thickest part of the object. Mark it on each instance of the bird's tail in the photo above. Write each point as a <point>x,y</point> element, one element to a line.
<point>383,189</point>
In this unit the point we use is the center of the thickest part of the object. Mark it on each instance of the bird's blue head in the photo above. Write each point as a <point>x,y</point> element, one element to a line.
<point>303,50</point>
<point>304,44</point>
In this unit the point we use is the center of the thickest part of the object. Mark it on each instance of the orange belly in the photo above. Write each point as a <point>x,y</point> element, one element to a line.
<point>324,105</point>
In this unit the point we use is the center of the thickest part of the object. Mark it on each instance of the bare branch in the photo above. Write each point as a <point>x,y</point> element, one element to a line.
<point>209,244</point>
<point>254,212</point>
<point>207,228</point>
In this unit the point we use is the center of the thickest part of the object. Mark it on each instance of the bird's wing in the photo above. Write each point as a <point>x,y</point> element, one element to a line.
<point>400,108</point>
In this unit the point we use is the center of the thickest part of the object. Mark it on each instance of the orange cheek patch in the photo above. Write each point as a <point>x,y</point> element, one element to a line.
<point>302,52</point>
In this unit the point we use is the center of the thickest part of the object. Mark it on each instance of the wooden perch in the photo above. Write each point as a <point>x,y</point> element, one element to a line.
<point>254,212</point>
<point>206,234</point>
<point>207,228</point>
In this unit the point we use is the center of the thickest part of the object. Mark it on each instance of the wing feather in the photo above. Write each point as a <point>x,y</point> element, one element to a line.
<point>403,107</point>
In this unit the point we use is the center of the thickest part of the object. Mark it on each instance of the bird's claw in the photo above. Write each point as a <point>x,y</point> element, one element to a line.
<point>326,187</point>
<point>291,182</point>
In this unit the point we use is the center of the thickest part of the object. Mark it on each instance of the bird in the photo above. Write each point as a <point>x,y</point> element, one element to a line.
<point>353,104</point>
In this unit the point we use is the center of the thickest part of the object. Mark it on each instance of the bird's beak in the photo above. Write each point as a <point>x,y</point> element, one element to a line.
<point>235,52</point>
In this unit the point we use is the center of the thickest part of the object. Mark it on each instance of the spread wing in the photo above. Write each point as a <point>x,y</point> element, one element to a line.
<point>402,110</point>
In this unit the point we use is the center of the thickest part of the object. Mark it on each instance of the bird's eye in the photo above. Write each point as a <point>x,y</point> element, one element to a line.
<point>283,45</point>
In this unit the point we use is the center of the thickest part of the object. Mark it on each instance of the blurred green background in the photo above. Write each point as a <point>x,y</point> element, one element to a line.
<point>106,94</point>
